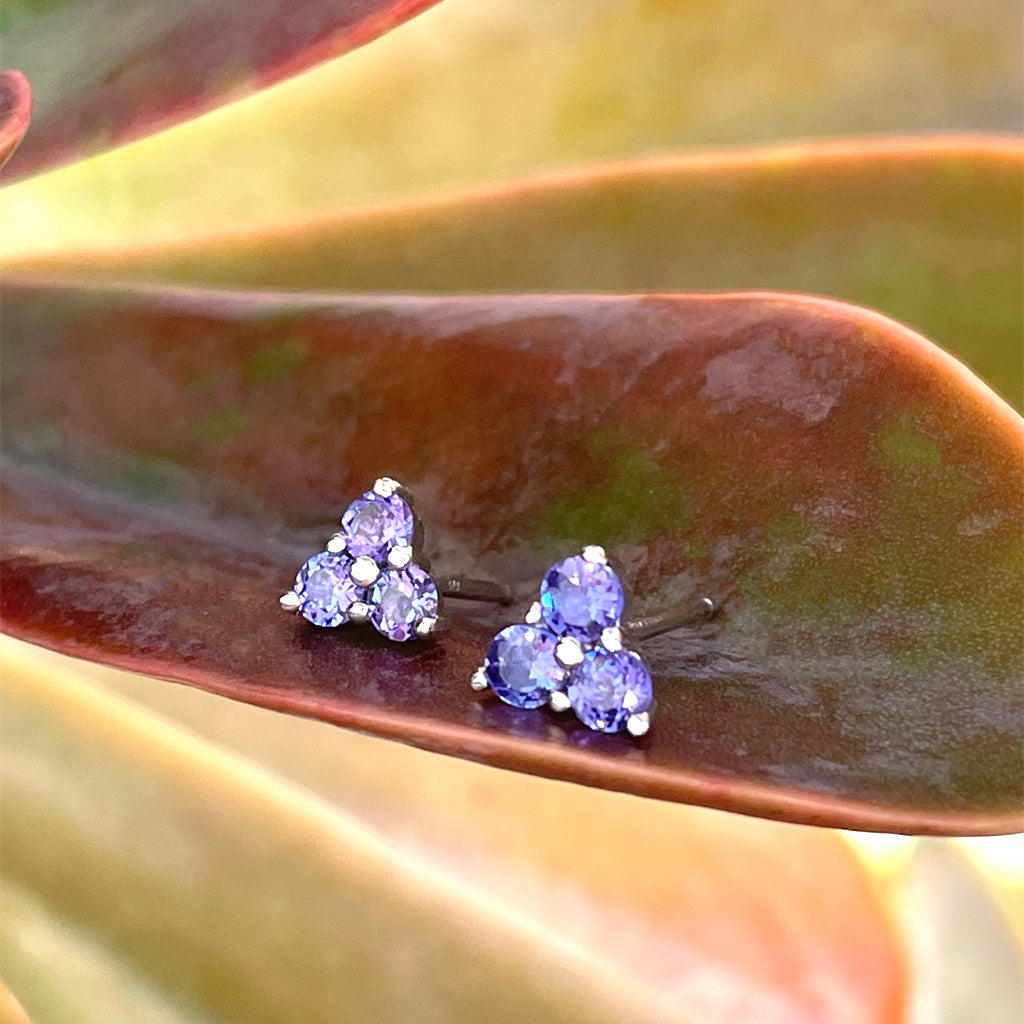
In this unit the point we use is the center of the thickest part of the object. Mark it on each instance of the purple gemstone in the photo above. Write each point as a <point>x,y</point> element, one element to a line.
<point>400,600</point>
<point>326,590</point>
<point>609,686</point>
<point>373,525</point>
<point>521,666</point>
<point>581,598</point>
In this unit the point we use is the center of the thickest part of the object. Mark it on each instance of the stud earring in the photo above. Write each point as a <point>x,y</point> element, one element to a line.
<point>370,573</point>
<point>570,653</point>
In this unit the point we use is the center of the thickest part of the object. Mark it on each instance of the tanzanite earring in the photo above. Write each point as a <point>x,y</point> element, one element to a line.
<point>570,653</point>
<point>370,572</point>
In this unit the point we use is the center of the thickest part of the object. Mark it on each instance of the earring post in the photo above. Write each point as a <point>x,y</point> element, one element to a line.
<point>670,619</point>
<point>474,590</point>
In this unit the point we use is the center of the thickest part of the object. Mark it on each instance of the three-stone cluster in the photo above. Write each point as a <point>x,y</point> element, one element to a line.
<point>569,653</point>
<point>367,573</point>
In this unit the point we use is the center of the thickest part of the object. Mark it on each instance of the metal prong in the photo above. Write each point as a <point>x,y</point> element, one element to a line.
<point>569,652</point>
<point>336,545</point>
<point>479,680</point>
<point>426,626</point>
<point>364,571</point>
<point>595,553</point>
<point>559,701</point>
<point>637,725</point>
<point>358,612</point>
<point>611,639</point>
<point>533,615</point>
<point>291,602</point>
<point>399,557</point>
<point>385,486</point>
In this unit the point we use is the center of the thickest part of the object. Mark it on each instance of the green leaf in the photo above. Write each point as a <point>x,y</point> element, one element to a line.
<point>465,894</point>
<point>492,90</point>
<point>928,232</point>
<point>850,493</point>
<point>106,71</point>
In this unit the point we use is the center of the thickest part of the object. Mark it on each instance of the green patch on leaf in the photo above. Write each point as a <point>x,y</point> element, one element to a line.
<point>275,362</point>
<point>632,500</point>
<point>220,426</point>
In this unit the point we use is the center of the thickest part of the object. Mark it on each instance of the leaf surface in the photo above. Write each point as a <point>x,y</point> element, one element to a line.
<point>849,492</point>
<point>599,903</point>
<point>15,112</point>
<point>927,231</point>
<point>106,71</point>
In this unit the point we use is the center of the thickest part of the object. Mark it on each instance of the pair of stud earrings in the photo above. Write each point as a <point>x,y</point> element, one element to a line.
<point>570,652</point>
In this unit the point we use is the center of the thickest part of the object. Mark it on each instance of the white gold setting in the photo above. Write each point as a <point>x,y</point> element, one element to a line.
<point>359,611</point>
<point>336,545</point>
<point>559,701</point>
<point>533,615</point>
<point>364,571</point>
<point>595,553</point>
<point>385,486</point>
<point>426,626</point>
<point>291,602</point>
<point>637,725</point>
<point>569,652</point>
<point>479,680</point>
<point>399,557</point>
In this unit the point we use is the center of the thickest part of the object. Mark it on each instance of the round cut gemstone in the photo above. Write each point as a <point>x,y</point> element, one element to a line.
<point>372,525</point>
<point>521,665</point>
<point>609,686</point>
<point>400,600</point>
<point>325,589</point>
<point>581,598</point>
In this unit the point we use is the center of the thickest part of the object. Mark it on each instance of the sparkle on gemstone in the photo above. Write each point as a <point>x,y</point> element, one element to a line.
<point>400,600</point>
<point>581,598</point>
<point>521,665</point>
<point>374,523</point>
<point>607,687</point>
<point>325,589</point>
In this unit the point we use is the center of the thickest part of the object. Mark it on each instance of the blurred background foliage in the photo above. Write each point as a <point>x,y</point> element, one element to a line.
<point>472,92</point>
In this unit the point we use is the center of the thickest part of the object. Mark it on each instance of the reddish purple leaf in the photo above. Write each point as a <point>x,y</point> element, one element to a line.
<point>15,112</point>
<point>104,74</point>
<point>851,491</point>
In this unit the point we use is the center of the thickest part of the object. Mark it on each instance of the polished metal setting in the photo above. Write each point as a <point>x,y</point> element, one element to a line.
<point>359,612</point>
<point>364,571</point>
<point>400,557</point>
<point>571,651</point>
<point>637,725</point>
<point>559,701</point>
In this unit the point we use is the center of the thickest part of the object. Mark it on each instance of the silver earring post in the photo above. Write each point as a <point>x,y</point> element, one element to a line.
<point>669,619</point>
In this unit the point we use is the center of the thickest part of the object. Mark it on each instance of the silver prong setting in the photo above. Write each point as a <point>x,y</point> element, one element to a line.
<point>479,680</point>
<point>569,652</point>
<point>559,701</point>
<point>291,602</point>
<point>400,556</point>
<point>385,486</point>
<point>637,725</point>
<point>364,571</point>
<point>336,545</point>
<point>596,554</point>
<point>425,627</point>
<point>359,612</point>
<point>611,639</point>
<point>533,615</point>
